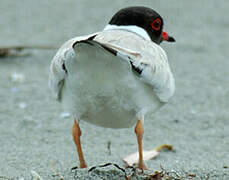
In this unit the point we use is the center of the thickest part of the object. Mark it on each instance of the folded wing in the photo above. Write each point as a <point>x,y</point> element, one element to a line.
<point>148,61</point>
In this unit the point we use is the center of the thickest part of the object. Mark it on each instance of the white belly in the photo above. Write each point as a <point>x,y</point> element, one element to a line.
<point>103,90</point>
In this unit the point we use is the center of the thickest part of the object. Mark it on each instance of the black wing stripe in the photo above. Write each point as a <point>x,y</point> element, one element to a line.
<point>84,41</point>
<point>64,68</point>
<point>136,69</point>
<point>92,37</point>
<point>114,52</point>
<point>90,41</point>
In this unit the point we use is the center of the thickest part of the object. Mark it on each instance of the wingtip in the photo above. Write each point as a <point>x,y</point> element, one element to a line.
<point>84,41</point>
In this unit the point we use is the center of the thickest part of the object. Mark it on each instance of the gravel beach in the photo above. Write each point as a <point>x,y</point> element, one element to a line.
<point>35,135</point>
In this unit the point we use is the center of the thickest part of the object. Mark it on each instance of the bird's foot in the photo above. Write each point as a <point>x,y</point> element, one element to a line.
<point>81,166</point>
<point>142,166</point>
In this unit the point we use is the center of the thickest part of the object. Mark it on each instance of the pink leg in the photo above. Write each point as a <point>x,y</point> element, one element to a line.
<point>139,130</point>
<point>76,133</point>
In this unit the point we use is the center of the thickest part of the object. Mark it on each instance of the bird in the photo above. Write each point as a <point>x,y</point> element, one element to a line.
<point>115,77</point>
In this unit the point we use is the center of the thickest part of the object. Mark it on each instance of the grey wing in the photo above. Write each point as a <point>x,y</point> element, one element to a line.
<point>148,61</point>
<point>151,67</point>
<point>157,73</point>
<point>58,71</point>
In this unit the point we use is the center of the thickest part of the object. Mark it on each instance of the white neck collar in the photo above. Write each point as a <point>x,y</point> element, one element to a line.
<point>132,28</point>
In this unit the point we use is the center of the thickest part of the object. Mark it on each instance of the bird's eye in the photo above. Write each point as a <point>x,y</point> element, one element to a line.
<point>156,24</point>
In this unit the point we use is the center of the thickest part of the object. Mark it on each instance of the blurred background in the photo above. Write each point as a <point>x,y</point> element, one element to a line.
<point>35,135</point>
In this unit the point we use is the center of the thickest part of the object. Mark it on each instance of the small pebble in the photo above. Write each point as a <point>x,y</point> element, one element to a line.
<point>192,111</point>
<point>176,121</point>
<point>17,77</point>
<point>35,175</point>
<point>14,90</point>
<point>22,105</point>
<point>65,115</point>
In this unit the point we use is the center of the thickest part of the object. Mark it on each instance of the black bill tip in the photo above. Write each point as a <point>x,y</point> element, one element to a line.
<point>171,39</point>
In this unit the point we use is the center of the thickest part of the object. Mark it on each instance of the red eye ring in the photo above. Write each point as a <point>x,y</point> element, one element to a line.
<point>156,24</point>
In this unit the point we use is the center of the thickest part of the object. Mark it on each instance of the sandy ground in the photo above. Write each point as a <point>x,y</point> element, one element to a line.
<point>34,136</point>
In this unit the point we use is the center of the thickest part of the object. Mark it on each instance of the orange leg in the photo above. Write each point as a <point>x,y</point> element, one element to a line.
<point>76,133</point>
<point>139,130</point>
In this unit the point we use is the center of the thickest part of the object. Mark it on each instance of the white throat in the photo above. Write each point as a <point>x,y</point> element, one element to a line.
<point>132,28</point>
